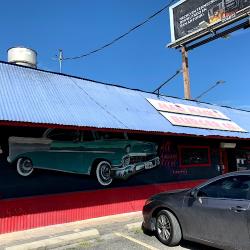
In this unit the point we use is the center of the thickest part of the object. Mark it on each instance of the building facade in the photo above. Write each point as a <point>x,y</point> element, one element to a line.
<point>74,149</point>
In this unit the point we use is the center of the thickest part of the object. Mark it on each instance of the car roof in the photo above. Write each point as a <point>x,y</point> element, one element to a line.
<point>247,172</point>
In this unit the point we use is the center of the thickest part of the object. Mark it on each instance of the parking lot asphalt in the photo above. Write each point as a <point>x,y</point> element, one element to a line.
<point>128,239</point>
<point>111,232</point>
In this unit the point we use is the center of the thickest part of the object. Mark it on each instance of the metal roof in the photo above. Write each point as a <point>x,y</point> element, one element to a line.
<point>35,96</point>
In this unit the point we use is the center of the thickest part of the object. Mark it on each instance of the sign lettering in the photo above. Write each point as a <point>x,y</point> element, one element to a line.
<point>202,122</point>
<point>186,109</point>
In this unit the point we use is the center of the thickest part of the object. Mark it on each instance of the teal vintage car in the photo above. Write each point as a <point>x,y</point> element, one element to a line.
<point>105,155</point>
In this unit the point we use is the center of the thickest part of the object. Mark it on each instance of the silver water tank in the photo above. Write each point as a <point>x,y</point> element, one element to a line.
<point>22,56</point>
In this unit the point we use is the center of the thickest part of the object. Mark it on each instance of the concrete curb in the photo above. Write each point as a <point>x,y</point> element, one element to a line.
<point>64,234</point>
<point>57,241</point>
<point>55,230</point>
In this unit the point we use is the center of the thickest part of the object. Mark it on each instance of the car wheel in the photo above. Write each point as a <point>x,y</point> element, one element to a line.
<point>24,167</point>
<point>103,173</point>
<point>168,229</point>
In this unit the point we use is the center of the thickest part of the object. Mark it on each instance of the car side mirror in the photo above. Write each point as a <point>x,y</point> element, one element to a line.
<point>194,193</point>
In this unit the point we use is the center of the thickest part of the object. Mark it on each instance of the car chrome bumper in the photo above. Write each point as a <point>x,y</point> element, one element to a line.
<point>125,172</point>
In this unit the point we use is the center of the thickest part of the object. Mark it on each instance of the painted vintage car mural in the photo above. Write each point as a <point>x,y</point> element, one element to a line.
<point>105,155</point>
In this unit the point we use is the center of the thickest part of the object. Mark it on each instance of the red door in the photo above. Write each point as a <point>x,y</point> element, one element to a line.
<point>224,161</point>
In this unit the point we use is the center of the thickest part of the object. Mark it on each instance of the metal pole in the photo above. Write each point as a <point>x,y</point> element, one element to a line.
<point>185,71</point>
<point>60,58</point>
<point>167,81</point>
<point>213,86</point>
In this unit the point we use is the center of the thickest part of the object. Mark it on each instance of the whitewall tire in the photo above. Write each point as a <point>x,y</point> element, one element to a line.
<point>24,167</point>
<point>103,173</point>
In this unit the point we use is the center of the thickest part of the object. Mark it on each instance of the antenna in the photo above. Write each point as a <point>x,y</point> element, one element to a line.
<point>60,59</point>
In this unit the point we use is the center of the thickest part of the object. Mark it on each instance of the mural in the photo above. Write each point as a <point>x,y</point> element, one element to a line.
<point>105,155</point>
<point>51,161</point>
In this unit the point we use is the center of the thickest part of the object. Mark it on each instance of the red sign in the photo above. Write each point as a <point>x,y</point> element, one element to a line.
<point>186,109</point>
<point>202,122</point>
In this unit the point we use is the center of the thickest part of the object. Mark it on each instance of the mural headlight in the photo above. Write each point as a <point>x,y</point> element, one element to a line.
<point>126,161</point>
<point>127,149</point>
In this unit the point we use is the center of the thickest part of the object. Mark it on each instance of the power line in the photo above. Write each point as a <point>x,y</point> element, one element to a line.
<point>121,36</point>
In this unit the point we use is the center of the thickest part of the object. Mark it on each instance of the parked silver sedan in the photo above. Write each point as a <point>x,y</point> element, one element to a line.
<point>216,213</point>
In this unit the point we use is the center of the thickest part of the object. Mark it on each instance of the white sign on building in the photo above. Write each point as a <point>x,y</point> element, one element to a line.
<point>195,117</point>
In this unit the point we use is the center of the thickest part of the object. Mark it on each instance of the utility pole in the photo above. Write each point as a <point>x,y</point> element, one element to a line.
<point>185,71</point>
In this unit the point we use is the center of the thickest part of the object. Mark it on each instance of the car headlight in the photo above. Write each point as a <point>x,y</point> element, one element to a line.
<point>126,161</point>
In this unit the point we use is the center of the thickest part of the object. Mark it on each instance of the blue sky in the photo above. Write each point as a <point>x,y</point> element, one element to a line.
<point>141,60</point>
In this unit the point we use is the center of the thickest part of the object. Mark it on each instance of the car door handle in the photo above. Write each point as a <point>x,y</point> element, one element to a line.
<point>238,209</point>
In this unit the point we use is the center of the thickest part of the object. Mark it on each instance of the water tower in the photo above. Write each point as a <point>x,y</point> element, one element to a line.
<point>22,56</point>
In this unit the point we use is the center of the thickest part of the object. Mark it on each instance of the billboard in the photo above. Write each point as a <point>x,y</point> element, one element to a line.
<point>191,19</point>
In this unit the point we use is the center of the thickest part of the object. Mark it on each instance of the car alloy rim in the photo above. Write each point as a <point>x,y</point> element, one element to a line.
<point>163,227</point>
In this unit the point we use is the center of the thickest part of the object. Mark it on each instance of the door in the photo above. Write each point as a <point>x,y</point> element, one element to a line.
<point>220,212</point>
<point>223,161</point>
<point>227,160</point>
<point>65,153</point>
<point>232,166</point>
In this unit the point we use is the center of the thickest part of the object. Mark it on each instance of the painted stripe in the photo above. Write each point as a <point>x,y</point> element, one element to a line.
<point>140,154</point>
<point>77,151</point>
<point>59,170</point>
<point>136,241</point>
<point>44,210</point>
<point>83,128</point>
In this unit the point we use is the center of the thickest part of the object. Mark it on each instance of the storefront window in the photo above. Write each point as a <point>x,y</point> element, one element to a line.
<point>192,156</point>
<point>243,159</point>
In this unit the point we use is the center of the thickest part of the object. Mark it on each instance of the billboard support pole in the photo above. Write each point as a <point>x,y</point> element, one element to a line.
<point>185,71</point>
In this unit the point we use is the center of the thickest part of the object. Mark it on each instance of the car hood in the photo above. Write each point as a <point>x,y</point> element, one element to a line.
<point>180,193</point>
